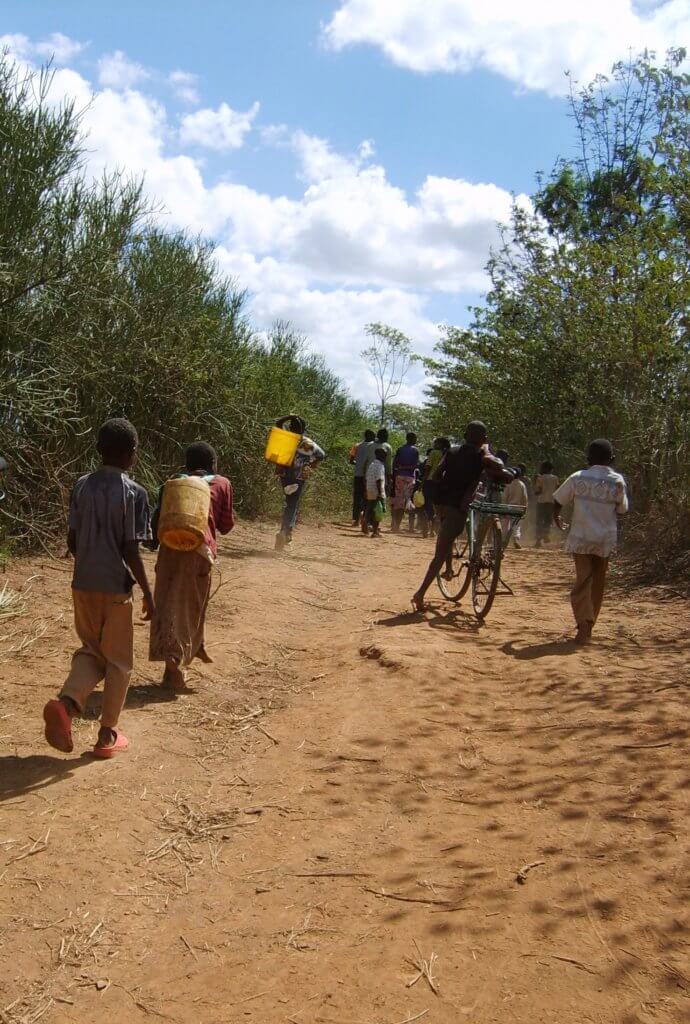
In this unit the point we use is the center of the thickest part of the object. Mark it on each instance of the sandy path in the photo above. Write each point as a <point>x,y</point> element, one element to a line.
<point>349,789</point>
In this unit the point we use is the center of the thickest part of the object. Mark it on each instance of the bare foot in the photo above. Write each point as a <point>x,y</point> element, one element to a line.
<point>203,655</point>
<point>418,603</point>
<point>174,679</point>
<point>106,737</point>
<point>584,634</point>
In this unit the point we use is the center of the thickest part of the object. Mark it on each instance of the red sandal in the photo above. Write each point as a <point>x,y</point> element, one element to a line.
<point>58,731</point>
<point>121,743</point>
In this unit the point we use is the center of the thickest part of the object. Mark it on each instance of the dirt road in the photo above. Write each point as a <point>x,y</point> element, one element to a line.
<point>331,827</point>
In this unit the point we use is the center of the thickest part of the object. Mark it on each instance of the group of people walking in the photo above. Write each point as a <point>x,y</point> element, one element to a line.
<point>441,488</point>
<point>405,478</point>
<point>109,518</point>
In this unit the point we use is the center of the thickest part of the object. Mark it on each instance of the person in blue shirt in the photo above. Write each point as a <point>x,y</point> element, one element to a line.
<point>405,465</point>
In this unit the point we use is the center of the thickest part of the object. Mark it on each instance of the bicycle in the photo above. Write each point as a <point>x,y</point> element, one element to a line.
<point>476,560</point>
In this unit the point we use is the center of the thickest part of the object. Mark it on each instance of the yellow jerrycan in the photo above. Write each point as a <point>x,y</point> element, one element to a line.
<point>282,446</point>
<point>183,519</point>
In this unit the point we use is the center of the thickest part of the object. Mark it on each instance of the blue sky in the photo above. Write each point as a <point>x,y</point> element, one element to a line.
<point>350,157</point>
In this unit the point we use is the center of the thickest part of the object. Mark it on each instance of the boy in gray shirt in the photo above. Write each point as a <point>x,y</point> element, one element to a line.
<point>108,517</point>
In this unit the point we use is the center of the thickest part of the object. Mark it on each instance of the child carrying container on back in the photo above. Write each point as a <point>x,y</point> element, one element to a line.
<point>183,577</point>
<point>108,518</point>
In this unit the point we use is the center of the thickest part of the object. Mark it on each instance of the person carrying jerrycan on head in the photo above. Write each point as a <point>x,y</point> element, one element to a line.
<point>108,519</point>
<point>294,476</point>
<point>183,575</point>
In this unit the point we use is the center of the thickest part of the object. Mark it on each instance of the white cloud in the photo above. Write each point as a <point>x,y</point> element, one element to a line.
<point>184,85</point>
<point>219,129</point>
<point>350,248</point>
<point>117,71</point>
<point>57,47</point>
<point>332,320</point>
<point>353,227</point>
<point>530,42</point>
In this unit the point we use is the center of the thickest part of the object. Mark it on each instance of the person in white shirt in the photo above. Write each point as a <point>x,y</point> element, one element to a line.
<point>375,490</point>
<point>515,493</point>
<point>599,496</point>
<point>545,484</point>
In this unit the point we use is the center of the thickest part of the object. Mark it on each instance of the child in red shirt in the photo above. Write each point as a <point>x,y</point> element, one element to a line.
<point>183,578</point>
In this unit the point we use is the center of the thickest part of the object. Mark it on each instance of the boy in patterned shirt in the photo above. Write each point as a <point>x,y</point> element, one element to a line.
<point>599,496</point>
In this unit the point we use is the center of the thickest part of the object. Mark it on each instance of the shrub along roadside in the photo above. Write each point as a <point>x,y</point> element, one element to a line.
<point>102,313</point>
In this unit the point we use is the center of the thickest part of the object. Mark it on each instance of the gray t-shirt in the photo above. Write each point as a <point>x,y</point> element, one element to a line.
<point>106,510</point>
<point>364,455</point>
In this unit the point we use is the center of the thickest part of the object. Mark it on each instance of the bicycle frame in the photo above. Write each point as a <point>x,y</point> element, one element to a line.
<point>476,563</point>
<point>482,508</point>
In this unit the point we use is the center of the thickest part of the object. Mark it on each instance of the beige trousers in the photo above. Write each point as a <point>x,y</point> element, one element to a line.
<point>588,591</point>
<point>104,625</point>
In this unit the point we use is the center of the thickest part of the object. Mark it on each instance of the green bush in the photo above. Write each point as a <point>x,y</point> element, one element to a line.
<point>102,313</point>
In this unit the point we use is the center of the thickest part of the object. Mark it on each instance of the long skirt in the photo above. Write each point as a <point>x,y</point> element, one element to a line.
<point>404,486</point>
<point>183,587</point>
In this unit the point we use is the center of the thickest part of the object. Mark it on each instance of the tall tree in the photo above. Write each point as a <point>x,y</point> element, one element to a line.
<point>389,358</point>
<point>585,328</point>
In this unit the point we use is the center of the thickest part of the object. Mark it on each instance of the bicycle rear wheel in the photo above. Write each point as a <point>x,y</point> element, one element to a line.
<point>455,587</point>
<point>486,567</point>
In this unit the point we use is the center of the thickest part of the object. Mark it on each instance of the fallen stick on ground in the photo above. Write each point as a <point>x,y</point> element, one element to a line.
<point>39,845</point>
<point>408,1020</point>
<point>563,959</point>
<point>406,899</point>
<point>331,874</point>
<point>642,746</point>
<point>249,999</point>
<point>521,876</point>
<point>331,1020</point>
<point>189,947</point>
<point>267,733</point>
<point>575,963</point>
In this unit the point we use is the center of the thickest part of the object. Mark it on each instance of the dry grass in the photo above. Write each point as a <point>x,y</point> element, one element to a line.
<point>13,605</point>
<point>80,940</point>
<point>189,826</point>
<point>76,951</point>
<point>30,1006</point>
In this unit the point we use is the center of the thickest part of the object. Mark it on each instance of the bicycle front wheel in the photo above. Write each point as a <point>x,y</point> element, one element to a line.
<point>486,567</point>
<point>453,585</point>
